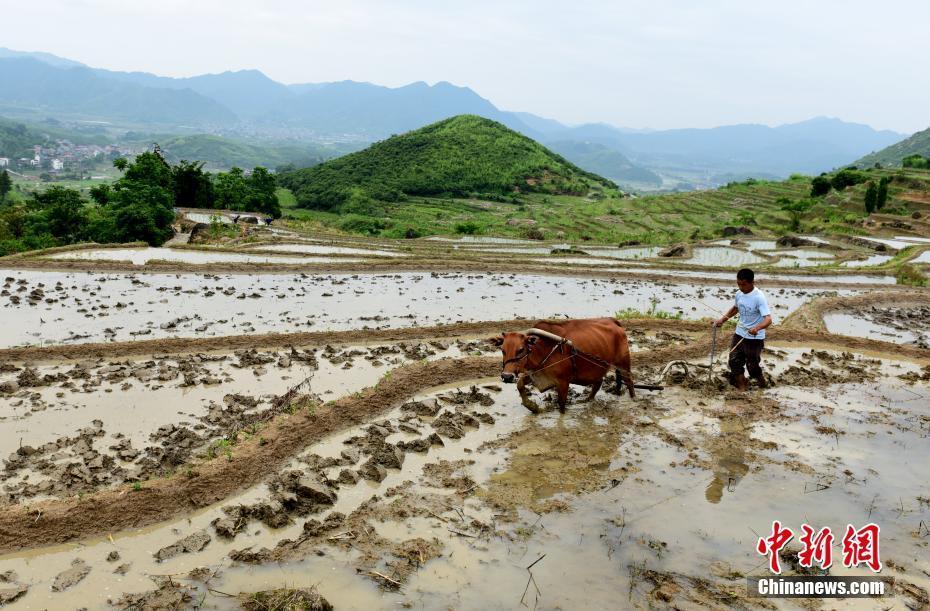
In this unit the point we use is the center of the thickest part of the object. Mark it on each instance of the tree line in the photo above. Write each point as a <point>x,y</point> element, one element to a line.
<point>876,194</point>
<point>139,206</point>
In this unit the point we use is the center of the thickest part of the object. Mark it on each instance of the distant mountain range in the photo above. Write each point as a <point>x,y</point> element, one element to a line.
<point>248,103</point>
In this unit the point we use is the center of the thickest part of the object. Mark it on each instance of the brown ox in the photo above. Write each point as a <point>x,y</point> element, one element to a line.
<point>547,364</point>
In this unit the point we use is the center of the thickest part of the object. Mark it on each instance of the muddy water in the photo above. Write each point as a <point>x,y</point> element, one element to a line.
<point>763,276</point>
<point>480,240</point>
<point>859,326</point>
<point>141,256</point>
<point>679,484</point>
<point>802,258</point>
<point>86,307</point>
<point>869,261</point>
<point>320,249</point>
<point>722,257</point>
<point>574,261</point>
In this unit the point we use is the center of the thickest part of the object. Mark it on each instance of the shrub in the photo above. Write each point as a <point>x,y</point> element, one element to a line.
<point>467,228</point>
<point>909,275</point>
<point>916,161</point>
<point>361,224</point>
<point>847,178</point>
<point>820,186</point>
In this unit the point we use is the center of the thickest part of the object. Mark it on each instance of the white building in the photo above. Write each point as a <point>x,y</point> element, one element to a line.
<point>58,165</point>
<point>4,162</point>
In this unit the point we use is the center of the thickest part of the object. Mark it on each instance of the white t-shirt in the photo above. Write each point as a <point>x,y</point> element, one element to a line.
<point>753,308</point>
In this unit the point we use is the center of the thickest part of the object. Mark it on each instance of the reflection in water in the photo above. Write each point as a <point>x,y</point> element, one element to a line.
<point>729,453</point>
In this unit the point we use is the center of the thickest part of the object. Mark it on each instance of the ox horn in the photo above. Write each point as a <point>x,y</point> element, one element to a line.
<point>547,335</point>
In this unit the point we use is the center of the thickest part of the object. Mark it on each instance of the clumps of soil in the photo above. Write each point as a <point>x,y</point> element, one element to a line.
<point>907,319</point>
<point>675,590</point>
<point>793,241</point>
<point>192,543</point>
<point>292,493</point>
<point>170,595</point>
<point>11,595</point>
<point>839,369</point>
<point>913,377</point>
<point>70,465</point>
<point>15,592</point>
<point>71,577</point>
<point>305,599</point>
<point>678,250</point>
<point>449,474</point>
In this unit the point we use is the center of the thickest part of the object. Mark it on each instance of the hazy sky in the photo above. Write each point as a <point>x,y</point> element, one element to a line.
<point>658,63</point>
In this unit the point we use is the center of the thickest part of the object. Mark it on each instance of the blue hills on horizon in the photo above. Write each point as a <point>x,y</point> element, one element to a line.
<point>365,112</point>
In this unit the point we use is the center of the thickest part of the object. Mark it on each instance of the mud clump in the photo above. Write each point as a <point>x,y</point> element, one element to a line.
<point>372,471</point>
<point>387,455</point>
<point>300,493</point>
<point>793,241</point>
<point>189,544</point>
<point>730,231</point>
<point>307,599</point>
<point>678,250</point>
<point>170,595</point>
<point>10,595</point>
<point>449,474</point>
<point>453,424</point>
<point>71,577</point>
<point>429,407</point>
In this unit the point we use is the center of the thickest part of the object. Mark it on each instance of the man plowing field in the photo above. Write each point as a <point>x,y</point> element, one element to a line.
<point>749,339</point>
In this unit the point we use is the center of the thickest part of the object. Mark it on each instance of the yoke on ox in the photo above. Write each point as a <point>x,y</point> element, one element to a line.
<point>554,354</point>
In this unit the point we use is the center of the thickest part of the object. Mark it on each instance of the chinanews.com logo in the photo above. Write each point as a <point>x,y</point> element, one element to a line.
<point>859,548</point>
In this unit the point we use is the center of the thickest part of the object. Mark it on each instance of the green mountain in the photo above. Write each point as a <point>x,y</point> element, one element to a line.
<point>917,144</point>
<point>459,156</point>
<point>220,152</point>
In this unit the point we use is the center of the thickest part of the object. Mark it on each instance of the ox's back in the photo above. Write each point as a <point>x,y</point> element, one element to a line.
<point>603,337</point>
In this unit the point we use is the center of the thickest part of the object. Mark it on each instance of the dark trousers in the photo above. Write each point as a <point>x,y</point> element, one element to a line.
<point>746,353</point>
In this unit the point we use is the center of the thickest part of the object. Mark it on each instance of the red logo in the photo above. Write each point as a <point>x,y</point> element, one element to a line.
<point>772,545</point>
<point>859,546</point>
<point>817,547</point>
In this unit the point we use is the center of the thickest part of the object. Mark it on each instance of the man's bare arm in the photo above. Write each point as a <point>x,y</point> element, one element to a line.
<point>729,314</point>
<point>766,322</point>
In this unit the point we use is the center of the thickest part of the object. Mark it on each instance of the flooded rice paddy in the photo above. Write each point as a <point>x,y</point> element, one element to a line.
<point>716,256</point>
<point>54,307</point>
<point>322,249</point>
<point>141,256</point>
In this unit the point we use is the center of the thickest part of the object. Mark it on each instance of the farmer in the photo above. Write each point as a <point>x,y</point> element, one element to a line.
<point>754,318</point>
